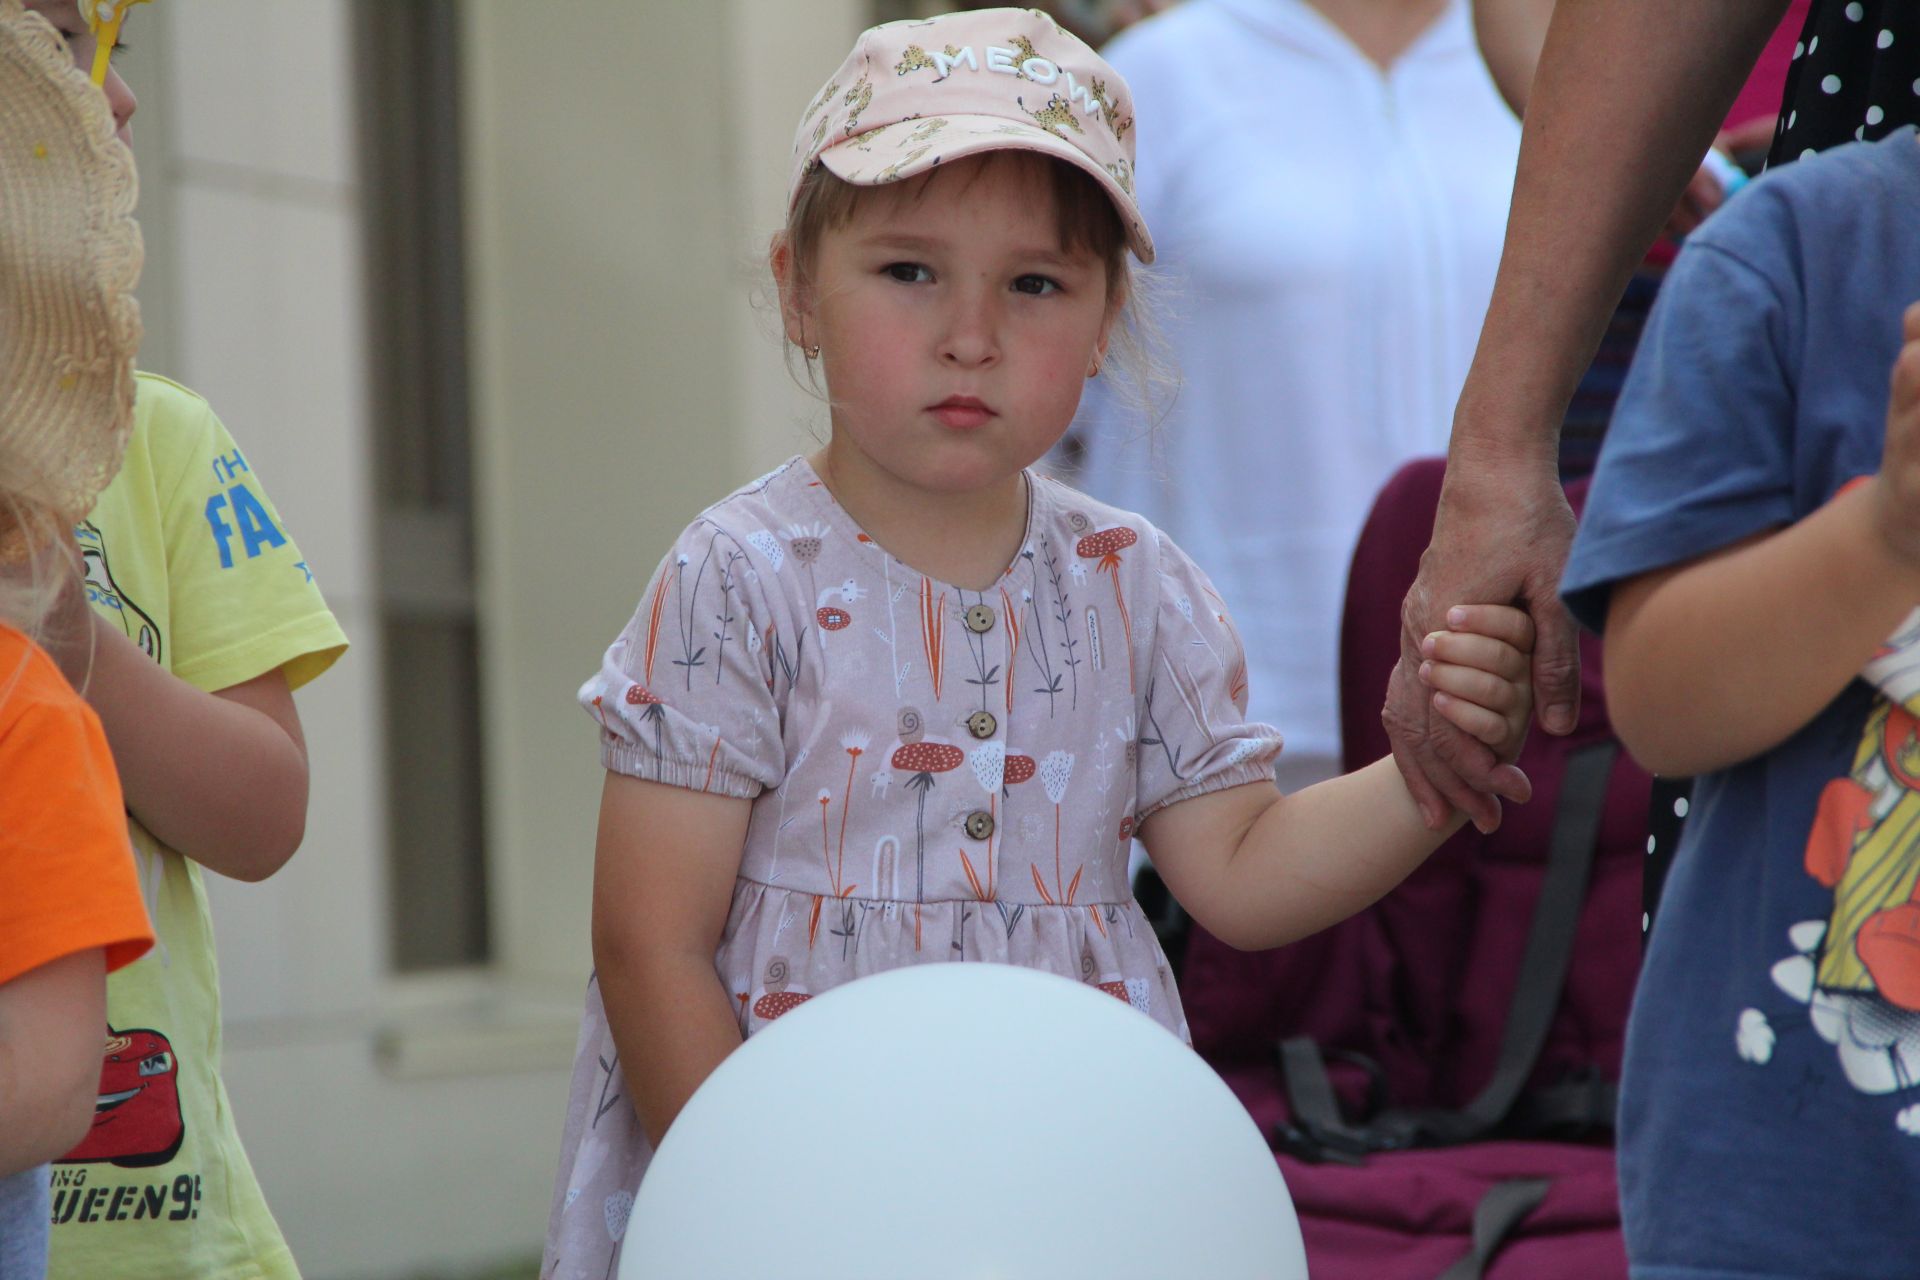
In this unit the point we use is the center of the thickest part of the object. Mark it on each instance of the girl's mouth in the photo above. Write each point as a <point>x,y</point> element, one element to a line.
<point>962,412</point>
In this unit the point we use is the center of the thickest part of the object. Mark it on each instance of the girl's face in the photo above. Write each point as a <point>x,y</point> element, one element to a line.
<point>66,19</point>
<point>955,330</point>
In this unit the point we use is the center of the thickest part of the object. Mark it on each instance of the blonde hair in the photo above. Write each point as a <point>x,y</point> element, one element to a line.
<point>1084,219</point>
<point>37,563</point>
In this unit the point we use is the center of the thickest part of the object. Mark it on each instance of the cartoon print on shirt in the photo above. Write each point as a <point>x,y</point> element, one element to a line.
<point>1130,991</point>
<point>776,998</point>
<point>834,606</point>
<point>989,761</point>
<point>1052,681</point>
<point>921,758</point>
<point>104,592</point>
<point>1858,971</point>
<point>1106,546</point>
<point>137,1121</point>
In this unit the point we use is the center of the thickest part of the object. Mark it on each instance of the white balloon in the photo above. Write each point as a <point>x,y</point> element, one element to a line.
<point>963,1121</point>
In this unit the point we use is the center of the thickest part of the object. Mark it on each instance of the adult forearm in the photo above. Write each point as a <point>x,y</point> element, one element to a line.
<point>1626,100</point>
<point>1725,658</point>
<point>673,1023</point>
<point>221,781</point>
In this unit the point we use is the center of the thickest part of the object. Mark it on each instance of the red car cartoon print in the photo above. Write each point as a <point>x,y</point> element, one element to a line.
<point>136,1118</point>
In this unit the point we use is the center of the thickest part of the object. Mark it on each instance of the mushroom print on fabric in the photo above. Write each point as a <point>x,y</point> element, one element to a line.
<point>1106,546</point>
<point>777,999</point>
<point>923,760</point>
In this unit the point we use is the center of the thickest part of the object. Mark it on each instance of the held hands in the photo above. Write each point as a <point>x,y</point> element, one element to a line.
<point>1481,673</point>
<point>1502,533</point>
<point>1897,487</point>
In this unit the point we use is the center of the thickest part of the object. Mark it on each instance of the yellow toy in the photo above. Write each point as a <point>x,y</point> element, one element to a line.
<point>104,18</point>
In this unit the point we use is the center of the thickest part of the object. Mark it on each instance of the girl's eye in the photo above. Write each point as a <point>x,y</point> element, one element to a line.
<point>908,272</point>
<point>1036,286</point>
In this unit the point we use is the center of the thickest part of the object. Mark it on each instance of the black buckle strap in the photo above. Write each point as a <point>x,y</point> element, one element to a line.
<point>1504,1207</point>
<point>1320,1131</point>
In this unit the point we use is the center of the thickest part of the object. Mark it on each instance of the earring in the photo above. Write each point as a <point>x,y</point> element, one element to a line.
<point>813,352</point>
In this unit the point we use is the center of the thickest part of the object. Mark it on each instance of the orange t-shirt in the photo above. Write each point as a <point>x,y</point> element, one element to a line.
<point>67,879</point>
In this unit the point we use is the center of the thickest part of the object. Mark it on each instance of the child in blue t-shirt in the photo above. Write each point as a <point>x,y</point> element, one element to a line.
<point>1752,550</point>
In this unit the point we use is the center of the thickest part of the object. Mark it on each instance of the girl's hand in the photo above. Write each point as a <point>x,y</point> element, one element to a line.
<point>1481,674</point>
<point>1897,487</point>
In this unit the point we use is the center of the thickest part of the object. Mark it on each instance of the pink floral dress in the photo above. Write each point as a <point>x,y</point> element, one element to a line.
<point>937,774</point>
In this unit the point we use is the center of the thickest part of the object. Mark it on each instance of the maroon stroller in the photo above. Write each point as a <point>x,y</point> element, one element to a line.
<point>1436,1075</point>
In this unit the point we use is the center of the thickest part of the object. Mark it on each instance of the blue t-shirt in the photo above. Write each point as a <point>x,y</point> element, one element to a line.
<point>1770,1105</point>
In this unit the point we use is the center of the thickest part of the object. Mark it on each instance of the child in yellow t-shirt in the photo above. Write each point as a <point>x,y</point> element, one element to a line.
<point>206,618</point>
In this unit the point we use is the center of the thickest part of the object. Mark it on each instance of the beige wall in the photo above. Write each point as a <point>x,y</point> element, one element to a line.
<point>629,162</point>
<point>624,159</point>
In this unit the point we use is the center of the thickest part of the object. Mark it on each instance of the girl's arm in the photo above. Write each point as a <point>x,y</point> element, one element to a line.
<point>50,1022</point>
<point>1258,869</point>
<point>222,777</point>
<point>1719,659</point>
<point>663,877</point>
<point>1725,657</point>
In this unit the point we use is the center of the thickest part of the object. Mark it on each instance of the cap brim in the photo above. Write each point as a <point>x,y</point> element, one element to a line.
<point>906,148</point>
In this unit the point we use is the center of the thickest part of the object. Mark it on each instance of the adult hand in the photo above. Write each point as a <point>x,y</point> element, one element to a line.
<point>1500,536</point>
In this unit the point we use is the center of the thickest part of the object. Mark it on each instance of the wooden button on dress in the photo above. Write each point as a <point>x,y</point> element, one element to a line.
<point>979,824</point>
<point>981,724</point>
<point>979,619</point>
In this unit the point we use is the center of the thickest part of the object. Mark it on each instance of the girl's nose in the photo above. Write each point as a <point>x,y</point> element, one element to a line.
<point>120,98</point>
<point>972,339</point>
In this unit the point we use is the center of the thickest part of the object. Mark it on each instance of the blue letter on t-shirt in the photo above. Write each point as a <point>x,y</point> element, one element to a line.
<point>222,531</point>
<point>256,526</point>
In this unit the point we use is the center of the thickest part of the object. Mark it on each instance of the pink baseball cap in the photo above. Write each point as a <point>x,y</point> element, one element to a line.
<point>915,94</point>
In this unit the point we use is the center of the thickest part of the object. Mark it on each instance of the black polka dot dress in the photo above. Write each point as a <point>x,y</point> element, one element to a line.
<point>1855,76</point>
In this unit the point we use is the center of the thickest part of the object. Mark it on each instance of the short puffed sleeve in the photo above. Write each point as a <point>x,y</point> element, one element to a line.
<point>1194,733</point>
<point>692,693</point>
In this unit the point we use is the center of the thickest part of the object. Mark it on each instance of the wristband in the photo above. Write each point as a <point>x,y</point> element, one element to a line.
<point>1729,175</point>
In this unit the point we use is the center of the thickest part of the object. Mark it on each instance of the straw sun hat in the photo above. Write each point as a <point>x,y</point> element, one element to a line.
<point>70,257</point>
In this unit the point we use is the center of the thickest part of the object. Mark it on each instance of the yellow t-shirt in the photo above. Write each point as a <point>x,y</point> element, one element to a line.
<point>186,552</point>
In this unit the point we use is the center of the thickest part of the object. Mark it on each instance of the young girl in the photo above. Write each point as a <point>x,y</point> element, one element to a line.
<point>70,907</point>
<point>904,700</point>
